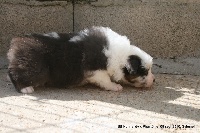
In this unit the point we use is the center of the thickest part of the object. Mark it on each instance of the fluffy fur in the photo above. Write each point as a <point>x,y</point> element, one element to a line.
<point>97,55</point>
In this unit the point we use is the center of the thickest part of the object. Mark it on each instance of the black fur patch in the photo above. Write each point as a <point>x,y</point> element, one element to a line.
<point>134,68</point>
<point>94,44</point>
<point>41,60</point>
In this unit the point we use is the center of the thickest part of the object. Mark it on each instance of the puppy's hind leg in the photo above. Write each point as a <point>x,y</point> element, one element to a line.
<point>19,83</point>
<point>27,90</point>
<point>25,80</point>
<point>102,79</point>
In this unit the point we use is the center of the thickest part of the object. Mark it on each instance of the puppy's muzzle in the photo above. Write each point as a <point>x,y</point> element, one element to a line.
<point>150,79</point>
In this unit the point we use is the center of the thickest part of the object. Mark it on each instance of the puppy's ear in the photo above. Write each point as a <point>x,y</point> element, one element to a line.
<point>133,64</point>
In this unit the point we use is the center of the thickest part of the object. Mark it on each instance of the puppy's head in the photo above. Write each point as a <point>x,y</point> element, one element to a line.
<point>137,72</point>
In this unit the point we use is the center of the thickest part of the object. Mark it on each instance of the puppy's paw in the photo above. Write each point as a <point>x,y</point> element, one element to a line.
<point>27,90</point>
<point>114,87</point>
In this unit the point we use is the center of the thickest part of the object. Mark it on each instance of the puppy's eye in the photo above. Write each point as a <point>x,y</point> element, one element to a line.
<point>143,71</point>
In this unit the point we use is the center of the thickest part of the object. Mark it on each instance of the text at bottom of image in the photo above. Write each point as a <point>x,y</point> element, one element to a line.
<point>158,126</point>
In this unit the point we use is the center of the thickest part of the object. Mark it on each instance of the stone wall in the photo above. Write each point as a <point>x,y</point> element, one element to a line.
<point>19,17</point>
<point>163,28</point>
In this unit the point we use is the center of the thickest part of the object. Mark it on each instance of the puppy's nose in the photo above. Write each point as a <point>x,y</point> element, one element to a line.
<point>154,80</point>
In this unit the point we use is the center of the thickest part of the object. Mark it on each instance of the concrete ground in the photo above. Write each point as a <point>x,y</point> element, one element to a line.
<point>173,105</point>
<point>167,29</point>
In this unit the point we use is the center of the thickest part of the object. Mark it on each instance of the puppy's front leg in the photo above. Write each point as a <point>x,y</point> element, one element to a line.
<point>102,79</point>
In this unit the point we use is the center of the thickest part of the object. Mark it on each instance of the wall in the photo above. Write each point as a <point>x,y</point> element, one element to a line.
<point>169,30</point>
<point>19,17</point>
<point>164,28</point>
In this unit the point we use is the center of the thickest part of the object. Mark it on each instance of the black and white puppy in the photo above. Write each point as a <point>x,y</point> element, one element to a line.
<point>96,55</point>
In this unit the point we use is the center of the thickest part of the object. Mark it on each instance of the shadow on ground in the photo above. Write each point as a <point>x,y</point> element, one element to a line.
<point>161,99</point>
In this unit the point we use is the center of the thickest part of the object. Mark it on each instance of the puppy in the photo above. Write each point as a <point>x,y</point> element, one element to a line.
<point>96,55</point>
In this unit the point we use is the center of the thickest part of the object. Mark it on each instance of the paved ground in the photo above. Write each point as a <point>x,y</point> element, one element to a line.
<point>174,101</point>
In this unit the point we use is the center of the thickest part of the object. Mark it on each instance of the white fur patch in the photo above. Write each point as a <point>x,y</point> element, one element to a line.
<point>52,34</point>
<point>10,55</point>
<point>75,39</point>
<point>102,79</point>
<point>115,87</point>
<point>11,52</point>
<point>117,53</point>
<point>27,90</point>
<point>119,49</point>
<point>80,36</point>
